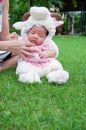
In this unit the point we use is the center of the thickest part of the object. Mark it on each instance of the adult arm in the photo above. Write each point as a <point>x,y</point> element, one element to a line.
<point>5,22</point>
<point>17,46</point>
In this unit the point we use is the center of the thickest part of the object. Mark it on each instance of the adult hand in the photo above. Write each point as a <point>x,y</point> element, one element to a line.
<point>21,48</point>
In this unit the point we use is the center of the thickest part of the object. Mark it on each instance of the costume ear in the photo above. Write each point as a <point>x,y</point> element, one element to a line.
<point>39,13</point>
<point>19,25</point>
<point>59,23</point>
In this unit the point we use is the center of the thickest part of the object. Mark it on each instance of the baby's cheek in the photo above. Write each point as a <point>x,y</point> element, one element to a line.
<point>40,42</point>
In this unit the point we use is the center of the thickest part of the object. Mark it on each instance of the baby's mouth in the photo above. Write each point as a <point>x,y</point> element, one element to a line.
<point>34,41</point>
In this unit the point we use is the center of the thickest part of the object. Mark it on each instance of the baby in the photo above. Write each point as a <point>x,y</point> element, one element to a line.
<point>39,29</point>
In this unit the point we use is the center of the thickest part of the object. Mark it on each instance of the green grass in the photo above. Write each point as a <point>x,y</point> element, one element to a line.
<point>47,106</point>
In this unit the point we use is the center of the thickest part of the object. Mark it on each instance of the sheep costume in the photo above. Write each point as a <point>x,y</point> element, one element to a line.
<point>27,71</point>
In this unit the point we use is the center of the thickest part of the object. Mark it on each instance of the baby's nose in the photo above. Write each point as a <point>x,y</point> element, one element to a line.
<point>36,36</point>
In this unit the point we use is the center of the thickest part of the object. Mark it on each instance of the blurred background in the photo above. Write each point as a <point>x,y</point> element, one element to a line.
<point>73,13</point>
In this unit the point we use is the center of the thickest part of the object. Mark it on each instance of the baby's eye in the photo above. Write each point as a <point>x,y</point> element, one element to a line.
<point>33,33</point>
<point>40,35</point>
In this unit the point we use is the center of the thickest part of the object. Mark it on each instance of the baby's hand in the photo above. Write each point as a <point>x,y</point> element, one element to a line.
<point>47,54</point>
<point>44,54</point>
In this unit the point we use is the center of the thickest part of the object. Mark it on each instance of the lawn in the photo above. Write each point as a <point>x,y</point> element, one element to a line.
<point>47,106</point>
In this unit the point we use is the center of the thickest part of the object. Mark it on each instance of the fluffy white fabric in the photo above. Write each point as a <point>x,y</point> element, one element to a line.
<point>30,73</point>
<point>59,76</point>
<point>30,77</point>
<point>39,15</point>
<point>53,70</point>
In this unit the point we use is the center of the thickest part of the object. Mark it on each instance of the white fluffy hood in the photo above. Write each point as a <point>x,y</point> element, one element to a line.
<point>38,15</point>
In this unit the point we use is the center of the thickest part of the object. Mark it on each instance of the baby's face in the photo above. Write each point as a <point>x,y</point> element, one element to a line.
<point>37,35</point>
